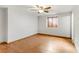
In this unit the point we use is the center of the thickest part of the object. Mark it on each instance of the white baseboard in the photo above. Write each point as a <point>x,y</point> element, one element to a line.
<point>9,41</point>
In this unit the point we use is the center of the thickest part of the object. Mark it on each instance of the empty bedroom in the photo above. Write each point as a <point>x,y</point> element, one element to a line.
<point>37,29</point>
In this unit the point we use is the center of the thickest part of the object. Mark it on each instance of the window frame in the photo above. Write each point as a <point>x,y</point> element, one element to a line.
<point>47,22</point>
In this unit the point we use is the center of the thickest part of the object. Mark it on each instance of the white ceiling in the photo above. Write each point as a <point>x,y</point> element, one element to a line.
<point>55,9</point>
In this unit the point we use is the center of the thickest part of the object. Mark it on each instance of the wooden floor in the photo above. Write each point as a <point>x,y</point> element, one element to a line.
<point>39,44</point>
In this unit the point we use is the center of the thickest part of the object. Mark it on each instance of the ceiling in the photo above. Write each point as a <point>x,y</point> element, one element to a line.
<point>55,9</point>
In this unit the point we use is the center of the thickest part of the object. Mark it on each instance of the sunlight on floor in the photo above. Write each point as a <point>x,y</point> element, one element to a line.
<point>56,46</point>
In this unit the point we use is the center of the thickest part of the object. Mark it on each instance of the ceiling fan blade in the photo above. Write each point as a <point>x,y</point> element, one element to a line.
<point>46,11</point>
<point>48,8</point>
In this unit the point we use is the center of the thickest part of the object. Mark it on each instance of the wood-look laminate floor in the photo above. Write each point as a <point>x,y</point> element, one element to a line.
<point>37,44</point>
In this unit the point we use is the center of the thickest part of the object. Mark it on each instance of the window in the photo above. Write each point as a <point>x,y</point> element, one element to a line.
<point>52,22</point>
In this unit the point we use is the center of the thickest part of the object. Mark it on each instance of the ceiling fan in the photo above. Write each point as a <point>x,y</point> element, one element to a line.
<point>41,8</point>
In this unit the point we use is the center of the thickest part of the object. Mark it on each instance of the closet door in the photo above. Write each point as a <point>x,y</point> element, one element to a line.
<point>66,27</point>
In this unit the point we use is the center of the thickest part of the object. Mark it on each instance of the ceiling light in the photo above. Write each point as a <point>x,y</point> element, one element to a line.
<point>40,11</point>
<point>43,8</point>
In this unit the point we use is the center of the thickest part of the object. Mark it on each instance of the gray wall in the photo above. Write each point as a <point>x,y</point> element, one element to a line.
<point>3,24</point>
<point>62,30</point>
<point>76,27</point>
<point>20,23</point>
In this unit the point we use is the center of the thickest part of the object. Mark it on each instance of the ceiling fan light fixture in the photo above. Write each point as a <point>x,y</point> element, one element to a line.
<point>43,8</point>
<point>40,11</point>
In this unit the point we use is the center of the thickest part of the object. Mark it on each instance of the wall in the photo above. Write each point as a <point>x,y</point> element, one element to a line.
<point>20,23</point>
<point>3,24</point>
<point>76,27</point>
<point>62,30</point>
